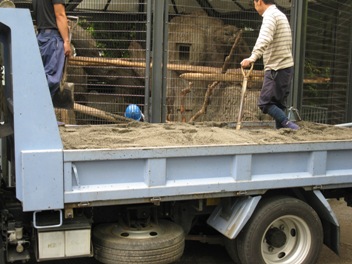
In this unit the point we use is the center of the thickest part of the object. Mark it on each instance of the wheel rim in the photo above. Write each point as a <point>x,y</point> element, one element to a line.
<point>286,240</point>
<point>138,232</point>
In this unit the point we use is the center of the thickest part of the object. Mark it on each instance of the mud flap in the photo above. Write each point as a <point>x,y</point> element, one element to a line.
<point>328,218</point>
<point>230,216</point>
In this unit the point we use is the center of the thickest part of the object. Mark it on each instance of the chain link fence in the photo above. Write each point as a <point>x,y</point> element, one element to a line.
<point>205,42</point>
<point>328,46</point>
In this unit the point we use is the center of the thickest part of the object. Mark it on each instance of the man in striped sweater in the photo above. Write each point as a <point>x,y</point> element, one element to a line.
<point>274,44</point>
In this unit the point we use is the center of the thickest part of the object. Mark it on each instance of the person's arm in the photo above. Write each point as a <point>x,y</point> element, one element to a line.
<point>62,24</point>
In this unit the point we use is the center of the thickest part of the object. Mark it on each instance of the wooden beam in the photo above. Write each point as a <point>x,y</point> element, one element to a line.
<point>192,72</point>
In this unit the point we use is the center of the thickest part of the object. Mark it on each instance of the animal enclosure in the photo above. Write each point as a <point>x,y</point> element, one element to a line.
<point>182,62</point>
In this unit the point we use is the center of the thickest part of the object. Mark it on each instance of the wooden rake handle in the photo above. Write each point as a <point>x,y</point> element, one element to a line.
<point>243,92</point>
<point>246,75</point>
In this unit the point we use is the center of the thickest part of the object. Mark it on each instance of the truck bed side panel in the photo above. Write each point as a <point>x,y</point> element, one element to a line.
<point>102,175</point>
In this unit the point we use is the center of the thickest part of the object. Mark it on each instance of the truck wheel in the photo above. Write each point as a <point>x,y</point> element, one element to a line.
<point>2,251</point>
<point>231,248</point>
<point>155,243</point>
<point>281,230</point>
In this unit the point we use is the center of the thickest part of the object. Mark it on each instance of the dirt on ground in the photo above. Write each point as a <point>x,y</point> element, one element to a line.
<point>140,134</point>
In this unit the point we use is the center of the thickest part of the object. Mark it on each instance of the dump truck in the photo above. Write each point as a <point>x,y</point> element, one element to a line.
<point>266,201</point>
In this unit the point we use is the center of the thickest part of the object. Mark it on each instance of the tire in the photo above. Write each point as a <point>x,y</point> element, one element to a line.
<point>231,248</point>
<point>162,243</point>
<point>2,250</point>
<point>282,230</point>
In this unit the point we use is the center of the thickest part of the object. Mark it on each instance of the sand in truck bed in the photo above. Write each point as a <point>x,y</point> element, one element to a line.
<point>140,134</point>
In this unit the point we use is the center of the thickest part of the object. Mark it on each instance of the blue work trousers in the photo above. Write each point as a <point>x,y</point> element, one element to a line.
<point>276,87</point>
<point>51,48</point>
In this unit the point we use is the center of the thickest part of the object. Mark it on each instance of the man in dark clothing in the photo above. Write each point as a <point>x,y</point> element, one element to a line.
<point>53,38</point>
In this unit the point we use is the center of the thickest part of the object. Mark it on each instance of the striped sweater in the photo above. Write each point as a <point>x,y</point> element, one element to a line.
<point>274,42</point>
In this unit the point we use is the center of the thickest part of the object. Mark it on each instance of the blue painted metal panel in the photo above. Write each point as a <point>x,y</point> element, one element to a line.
<point>34,119</point>
<point>43,186</point>
<point>171,172</point>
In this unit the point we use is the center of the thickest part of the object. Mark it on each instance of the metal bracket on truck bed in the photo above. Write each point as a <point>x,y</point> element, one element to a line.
<point>230,219</point>
<point>47,226</point>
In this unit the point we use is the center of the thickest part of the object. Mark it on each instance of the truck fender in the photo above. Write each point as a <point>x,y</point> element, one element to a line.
<point>230,216</point>
<point>328,218</point>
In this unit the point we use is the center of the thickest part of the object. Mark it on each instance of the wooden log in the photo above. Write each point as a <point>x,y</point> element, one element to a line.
<point>228,58</point>
<point>192,72</point>
<point>100,113</point>
<point>211,87</point>
<point>217,77</point>
<point>87,61</point>
<point>184,92</point>
<point>231,77</point>
<point>316,80</point>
